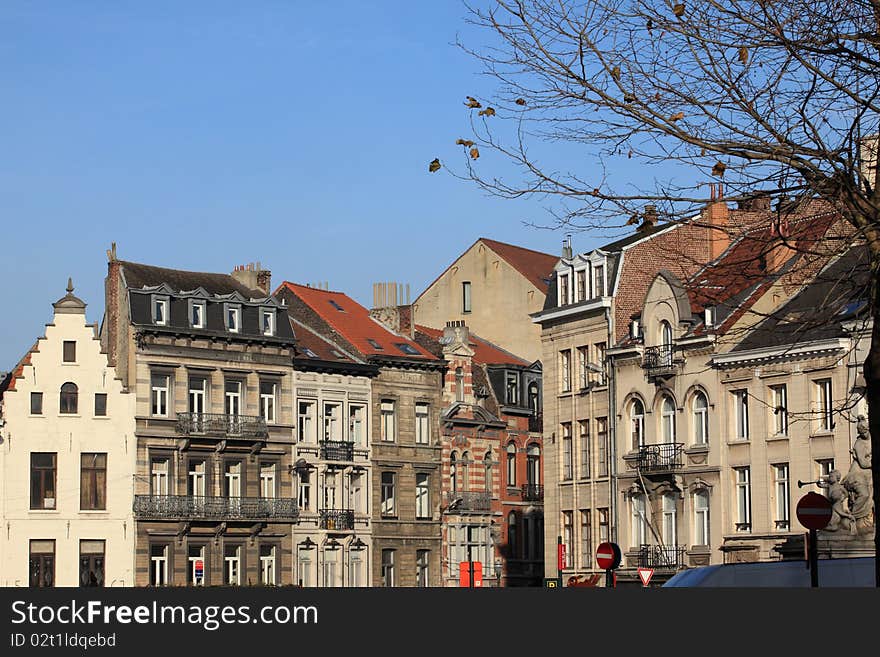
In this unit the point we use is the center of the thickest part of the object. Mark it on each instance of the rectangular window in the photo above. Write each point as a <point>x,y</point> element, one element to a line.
<point>332,421</point>
<point>741,401</point>
<point>388,506</point>
<point>824,405</point>
<point>422,560</point>
<point>93,482</point>
<point>329,491</point>
<point>159,476</point>
<point>602,441</point>
<point>466,296</point>
<point>582,365</point>
<point>232,400</point>
<point>268,390</point>
<point>584,430</point>
<point>387,420</point>
<point>197,314</point>
<point>43,466</point>
<point>563,290</point>
<point>586,540</point>
<point>779,407</point>
<point>701,518</point>
<point>566,451</point>
<point>599,350</point>
<point>783,496</point>
<point>423,507</point>
<point>197,396</point>
<point>196,557</point>
<point>91,563</point>
<point>267,321</point>
<point>267,480</point>
<point>159,395</point>
<point>568,536</point>
<point>356,568</point>
<point>423,427</point>
<point>306,422</point>
<point>743,499</point>
<point>670,520</point>
<point>197,479</point>
<point>100,404</point>
<point>305,490</point>
<point>356,492</point>
<point>639,520</point>
<point>68,354</point>
<point>357,428</point>
<point>304,565</point>
<point>36,403</point>
<point>232,479</point>
<point>233,319</point>
<point>565,370</point>
<point>512,388</point>
<point>267,565</point>
<point>603,525</point>
<point>581,277</point>
<point>42,563</point>
<point>232,565</point>
<point>599,281</point>
<point>824,467</point>
<point>160,311</point>
<point>388,579</point>
<point>159,565</point>
<point>331,556</point>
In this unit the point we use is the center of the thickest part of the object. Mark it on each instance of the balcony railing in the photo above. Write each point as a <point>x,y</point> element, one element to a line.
<point>192,507</point>
<point>336,519</point>
<point>656,458</point>
<point>221,424</point>
<point>659,360</point>
<point>337,450</point>
<point>532,492</point>
<point>670,557</point>
<point>468,501</point>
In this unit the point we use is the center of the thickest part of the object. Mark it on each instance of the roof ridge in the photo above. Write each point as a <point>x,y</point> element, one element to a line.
<point>516,246</point>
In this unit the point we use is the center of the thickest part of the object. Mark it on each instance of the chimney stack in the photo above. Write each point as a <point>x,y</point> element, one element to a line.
<point>716,216</point>
<point>253,277</point>
<point>566,248</point>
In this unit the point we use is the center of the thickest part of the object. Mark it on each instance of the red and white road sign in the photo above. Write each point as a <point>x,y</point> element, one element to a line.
<point>814,511</point>
<point>608,556</point>
<point>645,574</point>
<point>560,556</point>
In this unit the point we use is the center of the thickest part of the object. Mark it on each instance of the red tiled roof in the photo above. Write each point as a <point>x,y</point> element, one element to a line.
<point>484,351</point>
<point>353,322</point>
<point>323,349</point>
<point>8,384</point>
<point>534,265</point>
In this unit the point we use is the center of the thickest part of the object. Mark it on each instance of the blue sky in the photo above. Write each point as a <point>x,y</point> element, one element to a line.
<point>206,135</point>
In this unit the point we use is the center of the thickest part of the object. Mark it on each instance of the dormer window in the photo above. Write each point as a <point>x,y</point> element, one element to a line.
<point>197,314</point>
<point>233,319</point>
<point>709,316</point>
<point>512,388</point>
<point>267,321</point>
<point>581,285</point>
<point>599,280</point>
<point>160,311</point>
<point>563,289</point>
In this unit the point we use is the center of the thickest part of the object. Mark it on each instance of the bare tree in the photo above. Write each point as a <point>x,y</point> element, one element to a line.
<point>774,97</point>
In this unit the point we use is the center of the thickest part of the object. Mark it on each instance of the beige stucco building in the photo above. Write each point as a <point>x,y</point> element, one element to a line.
<point>67,462</point>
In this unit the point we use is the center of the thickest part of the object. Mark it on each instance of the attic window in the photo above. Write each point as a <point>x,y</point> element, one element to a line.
<point>853,307</point>
<point>709,314</point>
<point>308,352</point>
<point>374,344</point>
<point>336,305</point>
<point>407,348</point>
<point>338,354</point>
<point>160,310</point>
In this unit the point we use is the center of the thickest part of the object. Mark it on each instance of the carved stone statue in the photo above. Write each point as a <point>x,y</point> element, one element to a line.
<point>838,495</point>
<point>858,481</point>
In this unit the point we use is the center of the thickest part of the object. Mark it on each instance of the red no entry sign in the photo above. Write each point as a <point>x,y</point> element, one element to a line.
<point>814,511</point>
<point>608,556</point>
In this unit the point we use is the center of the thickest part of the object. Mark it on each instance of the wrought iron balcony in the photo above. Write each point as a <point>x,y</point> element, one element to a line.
<point>221,424</point>
<point>193,507</point>
<point>468,501</point>
<point>337,519</point>
<point>659,360</point>
<point>663,557</point>
<point>533,492</point>
<point>658,458</point>
<point>337,450</point>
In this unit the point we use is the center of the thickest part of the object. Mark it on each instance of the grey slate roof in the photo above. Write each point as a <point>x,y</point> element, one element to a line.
<point>138,275</point>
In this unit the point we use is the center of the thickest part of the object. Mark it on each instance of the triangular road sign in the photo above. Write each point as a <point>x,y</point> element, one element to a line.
<point>645,574</point>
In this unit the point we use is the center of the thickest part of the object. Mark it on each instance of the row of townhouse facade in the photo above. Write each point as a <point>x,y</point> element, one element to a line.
<point>687,398</point>
<point>212,432</point>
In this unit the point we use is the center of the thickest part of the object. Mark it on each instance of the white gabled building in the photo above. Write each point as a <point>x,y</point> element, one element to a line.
<point>67,461</point>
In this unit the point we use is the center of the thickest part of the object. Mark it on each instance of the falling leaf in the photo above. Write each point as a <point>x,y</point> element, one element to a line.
<point>615,73</point>
<point>657,97</point>
<point>520,101</point>
<point>629,98</point>
<point>472,102</point>
<point>678,9</point>
<point>743,55</point>
<point>475,153</point>
<point>718,169</point>
<point>629,155</point>
<point>650,25</point>
<point>677,116</point>
<point>467,143</point>
<point>487,112</point>
<point>434,166</point>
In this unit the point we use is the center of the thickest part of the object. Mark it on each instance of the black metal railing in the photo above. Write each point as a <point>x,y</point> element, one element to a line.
<point>653,458</point>
<point>336,519</point>
<point>662,556</point>
<point>194,507</point>
<point>468,501</point>
<point>532,492</point>
<point>221,424</point>
<point>337,450</point>
<point>658,358</point>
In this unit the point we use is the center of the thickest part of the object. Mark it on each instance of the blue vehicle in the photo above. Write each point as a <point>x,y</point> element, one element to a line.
<point>846,572</point>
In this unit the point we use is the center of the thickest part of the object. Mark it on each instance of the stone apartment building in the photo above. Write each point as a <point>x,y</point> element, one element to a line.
<point>493,287</point>
<point>492,449</point>
<point>404,436</point>
<point>67,459</point>
<point>209,360</point>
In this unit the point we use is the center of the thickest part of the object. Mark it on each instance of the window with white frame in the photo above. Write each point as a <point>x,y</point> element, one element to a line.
<point>581,291</point>
<point>232,565</point>
<point>637,423</point>
<point>459,384</point>
<point>824,410</point>
<point>741,413</point>
<point>267,565</point>
<point>305,490</point>
<point>584,431</point>
<point>267,321</point>
<point>423,426</point>
<point>304,562</point>
<point>388,507</point>
<point>356,567</point>
<point>568,537</point>
<point>267,480</point>
<point>599,288</point>
<point>566,451</point>
<point>488,475</point>
<point>667,419</point>
<point>159,575</point>
<point>639,521</point>
<point>160,311</point>
<point>512,388</point>
<point>599,351</point>
<point>306,422</point>
<point>232,398</point>
<point>701,419</point>
<point>670,520</point>
<point>330,486</point>
<point>159,475</point>
<point>331,566</point>
<point>197,314</point>
<point>357,427</point>
<point>602,443</point>
<point>195,554</point>
<point>783,496</point>
<point>779,407</point>
<point>583,369</point>
<point>586,539</point>
<point>511,464</point>
<point>388,578</point>
<point>565,370</point>
<point>356,492</point>
<point>233,319</point>
<point>268,392</point>
<point>563,290</point>
<point>466,296</point>
<point>603,525</point>
<point>423,507</point>
<point>332,421</point>
<point>387,420</point>
<point>197,395</point>
<point>159,385</point>
<point>743,499</point>
<point>701,517</point>
<point>422,574</point>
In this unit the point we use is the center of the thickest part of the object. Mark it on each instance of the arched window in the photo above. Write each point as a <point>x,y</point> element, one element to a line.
<point>511,464</point>
<point>459,384</point>
<point>639,521</point>
<point>533,397</point>
<point>701,419</point>
<point>666,343</point>
<point>701,517</point>
<point>465,473</point>
<point>69,398</point>
<point>667,419</point>
<point>637,420</point>
<point>487,464</point>
<point>453,472</point>
<point>511,536</point>
<point>533,465</point>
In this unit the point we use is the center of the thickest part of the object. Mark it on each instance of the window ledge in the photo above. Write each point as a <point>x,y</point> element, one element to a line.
<point>700,549</point>
<point>72,415</point>
<point>46,512</point>
<point>697,449</point>
<point>739,441</point>
<point>822,434</point>
<point>100,417</point>
<point>31,415</point>
<point>95,512</point>
<point>777,438</point>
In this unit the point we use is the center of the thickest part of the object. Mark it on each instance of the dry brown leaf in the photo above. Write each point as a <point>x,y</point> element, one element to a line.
<point>615,73</point>
<point>678,9</point>
<point>475,153</point>
<point>678,116</point>
<point>520,101</point>
<point>650,25</point>
<point>629,98</point>
<point>633,219</point>
<point>467,143</point>
<point>718,169</point>
<point>487,112</point>
<point>629,155</point>
<point>743,55</point>
<point>472,102</point>
<point>434,166</point>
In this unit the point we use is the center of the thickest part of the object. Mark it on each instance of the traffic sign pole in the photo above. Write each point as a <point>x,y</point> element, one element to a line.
<point>814,559</point>
<point>814,513</point>
<point>609,579</point>
<point>560,558</point>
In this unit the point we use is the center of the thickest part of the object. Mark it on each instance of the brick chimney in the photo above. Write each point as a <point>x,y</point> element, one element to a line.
<point>716,216</point>
<point>253,276</point>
